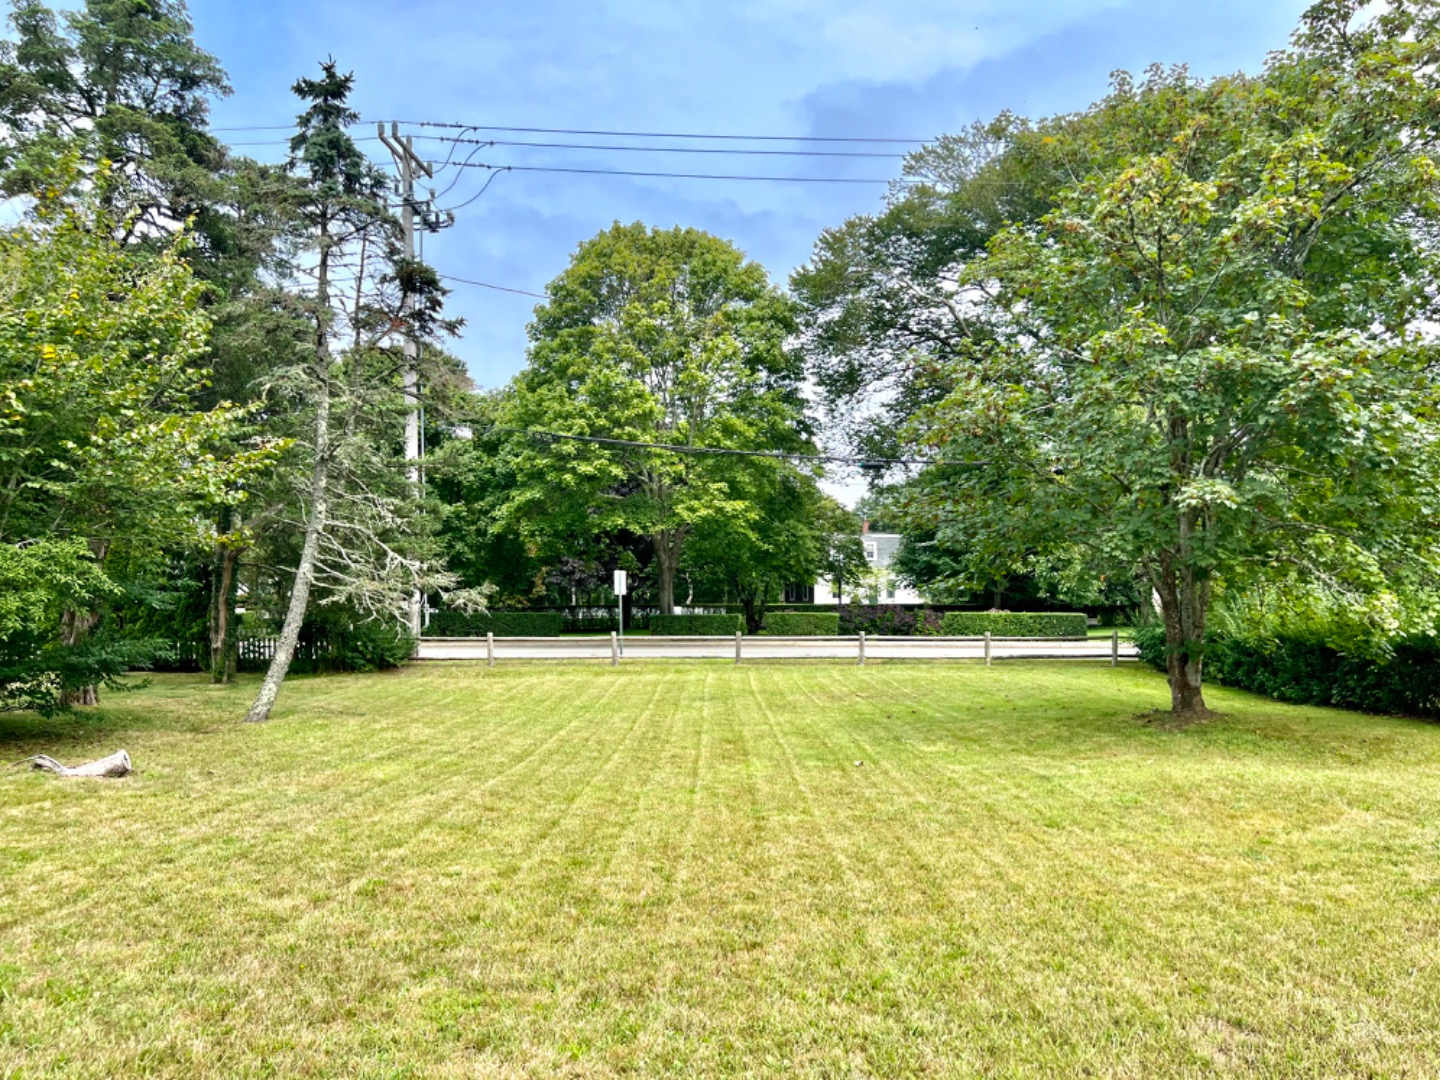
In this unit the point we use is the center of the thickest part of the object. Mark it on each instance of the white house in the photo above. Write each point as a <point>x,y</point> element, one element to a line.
<point>880,586</point>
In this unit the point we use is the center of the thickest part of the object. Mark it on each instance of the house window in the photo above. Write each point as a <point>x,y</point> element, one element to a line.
<point>872,552</point>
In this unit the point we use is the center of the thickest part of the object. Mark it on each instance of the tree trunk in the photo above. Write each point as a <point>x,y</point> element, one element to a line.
<point>223,646</point>
<point>667,562</point>
<point>1184,604</point>
<point>112,767</point>
<point>305,571</point>
<point>749,604</point>
<point>75,627</point>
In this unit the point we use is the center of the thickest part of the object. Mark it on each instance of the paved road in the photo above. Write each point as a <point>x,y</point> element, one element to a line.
<point>767,648</point>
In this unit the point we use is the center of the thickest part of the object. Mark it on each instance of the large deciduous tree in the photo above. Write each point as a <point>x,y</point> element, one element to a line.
<point>1211,353</point>
<point>652,336</point>
<point>101,442</point>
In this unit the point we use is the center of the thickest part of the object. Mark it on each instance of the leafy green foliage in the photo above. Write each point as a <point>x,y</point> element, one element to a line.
<point>103,444</point>
<point>1203,354</point>
<point>499,623</point>
<point>802,624</point>
<point>1298,668</point>
<point>1029,624</point>
<point>655,336</point>
<point>101,354</point>
<point>695,625</point>
<point>123,82</point>
<point>40,582</point>
<point>366,645</point>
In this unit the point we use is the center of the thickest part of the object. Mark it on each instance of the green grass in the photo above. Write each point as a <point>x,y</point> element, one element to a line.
<point>679,869</point>
<point>1127,633</point>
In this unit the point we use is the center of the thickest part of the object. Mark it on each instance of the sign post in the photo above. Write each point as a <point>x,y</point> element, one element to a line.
<point>622,586</point>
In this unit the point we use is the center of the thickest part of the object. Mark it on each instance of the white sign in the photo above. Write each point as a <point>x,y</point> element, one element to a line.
<point>621,587</point>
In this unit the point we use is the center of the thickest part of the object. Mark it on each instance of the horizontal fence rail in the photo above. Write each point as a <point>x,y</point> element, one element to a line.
<point>854,648</point>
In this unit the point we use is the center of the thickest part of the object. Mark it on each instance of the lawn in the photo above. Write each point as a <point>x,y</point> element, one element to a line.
<point>685,869</point>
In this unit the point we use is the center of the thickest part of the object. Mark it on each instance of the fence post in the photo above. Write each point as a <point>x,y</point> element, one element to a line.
<point>614,650</point>
<point>862,648</point>
<point>1114,648</point>
<point>987,648</point>
<point>737,646</point>
<point>489,648</point>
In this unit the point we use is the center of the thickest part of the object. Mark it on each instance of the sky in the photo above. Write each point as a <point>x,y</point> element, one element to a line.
<point>904,70</point>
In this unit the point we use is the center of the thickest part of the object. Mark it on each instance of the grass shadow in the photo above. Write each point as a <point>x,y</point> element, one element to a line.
<point>155,703</point>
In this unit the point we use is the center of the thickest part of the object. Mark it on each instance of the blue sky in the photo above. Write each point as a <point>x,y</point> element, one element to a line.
<point>855,68</point>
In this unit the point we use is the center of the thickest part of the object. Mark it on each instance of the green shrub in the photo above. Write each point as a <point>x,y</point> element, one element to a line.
<point>802,624</point>
<point>888,620</point>
<point>695,625</point>
<point>1304,671</point>
<point>1035,624</point>
<point>373,645</point>
<point>499,623</point>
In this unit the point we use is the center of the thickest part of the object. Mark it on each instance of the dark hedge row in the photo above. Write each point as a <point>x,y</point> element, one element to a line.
<point>499,623</point>
<point>1041,624</point>
<point>695,625</point>
<point>1406,683</point>
<point>802,624</point>
<point>888,620</point>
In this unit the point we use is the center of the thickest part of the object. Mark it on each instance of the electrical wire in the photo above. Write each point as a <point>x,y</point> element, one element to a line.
<point>459,173</point>
<point>616,134</point>
<point>663,134</point>
<point>497,288</point>
<point>488,181</point>
<point>470,163</point>
<point>448,158</point>
<point>696,176</point>
<point>739,150</point>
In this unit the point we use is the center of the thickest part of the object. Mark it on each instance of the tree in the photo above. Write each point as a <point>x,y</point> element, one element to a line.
<point>652,336</point>
<point>101,442</point>
<point>1209,355</point>
<point>121,86</point>
<point>358,522</point>
<point>842,559</point>
<point>782,538</point>
<point>122,81</point>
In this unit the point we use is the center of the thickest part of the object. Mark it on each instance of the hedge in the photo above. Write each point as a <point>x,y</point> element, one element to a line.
<point>1030,624</point>
<point>1406,683</point>
<point>888,620</point>
<point>695,625</point>
<point>499,623</point>
<point>802,624</point>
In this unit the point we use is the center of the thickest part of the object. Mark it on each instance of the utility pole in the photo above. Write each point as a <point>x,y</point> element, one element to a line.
<point>410,165</point>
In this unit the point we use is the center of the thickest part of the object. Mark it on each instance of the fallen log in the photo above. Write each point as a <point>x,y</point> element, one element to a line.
<point>116,765</point>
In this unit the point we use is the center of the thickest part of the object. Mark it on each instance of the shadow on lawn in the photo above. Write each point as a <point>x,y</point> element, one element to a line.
<point>141,708</point>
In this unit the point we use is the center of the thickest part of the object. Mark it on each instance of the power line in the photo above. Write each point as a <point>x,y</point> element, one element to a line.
<point>690,176</point>
<point>497,288</point>
<point>488,181</point>
<point>676,448</point>
<point>480,144</point>
<point>666,134</point>
<point>616,134</point>
<point>739,150</point>
<point>468,159</point>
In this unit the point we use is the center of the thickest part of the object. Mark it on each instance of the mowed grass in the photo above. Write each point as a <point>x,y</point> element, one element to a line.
<point>680,869</point>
